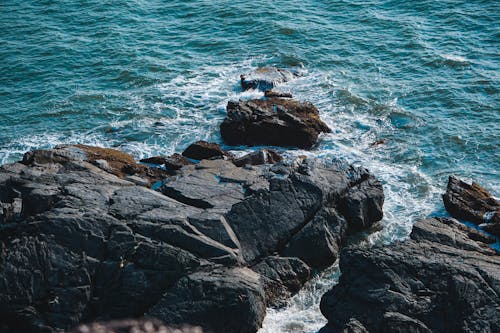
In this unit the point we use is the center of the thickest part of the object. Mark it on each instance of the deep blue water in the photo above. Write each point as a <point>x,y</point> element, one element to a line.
<point>150,77</point>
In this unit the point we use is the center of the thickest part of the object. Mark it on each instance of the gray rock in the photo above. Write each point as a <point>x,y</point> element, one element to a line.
<point>233,296</point>
<point>282,277</point>
<point>318,243</point>
<point>441,280</point>
<point>80,242</point>
<point>262,156</point>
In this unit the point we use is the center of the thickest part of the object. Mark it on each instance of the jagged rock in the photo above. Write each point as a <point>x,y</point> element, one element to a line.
<point>262,156</point>
<point>492,228</point>
<point>80,243</point>
<point>318,243</point>
<point>473,203</point>
<point>266,78</point>
<point>133,326</point>
<point>172,162</point>
<point>441,280</point>
<point>279,94</point>
<point>109,160</point>
<point>282,277</point>
<point>275,121</point>
<point>202,150</point>
<point>219,300</point>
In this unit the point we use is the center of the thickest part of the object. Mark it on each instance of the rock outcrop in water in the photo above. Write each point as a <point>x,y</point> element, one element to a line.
<point>473,203</point>
<point>443,279</point>
<point>82,240</point>
<point>274,121</point>
<point>266,78</point>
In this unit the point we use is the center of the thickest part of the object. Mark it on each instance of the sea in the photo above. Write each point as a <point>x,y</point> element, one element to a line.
<point>409,88</point>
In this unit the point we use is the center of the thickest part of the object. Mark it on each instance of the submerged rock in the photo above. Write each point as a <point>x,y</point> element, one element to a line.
<point>440,280</point>
<point>80,243</point>
<point>275,121</point>
<point>266,78</point>
<point>473,203</point>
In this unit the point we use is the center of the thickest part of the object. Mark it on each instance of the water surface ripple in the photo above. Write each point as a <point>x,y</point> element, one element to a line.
<point>149,77</point>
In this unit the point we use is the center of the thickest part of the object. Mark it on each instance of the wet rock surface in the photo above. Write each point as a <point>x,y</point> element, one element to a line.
<point>472,202</point>
<point>266,78</point>
<point>442,279</point>
<point>82,242</point>
<point>274,121</point>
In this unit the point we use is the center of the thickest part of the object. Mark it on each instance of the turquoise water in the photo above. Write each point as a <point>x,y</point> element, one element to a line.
<point>150,77</point>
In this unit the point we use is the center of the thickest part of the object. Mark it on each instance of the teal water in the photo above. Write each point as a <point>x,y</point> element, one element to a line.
<point>149,77</point>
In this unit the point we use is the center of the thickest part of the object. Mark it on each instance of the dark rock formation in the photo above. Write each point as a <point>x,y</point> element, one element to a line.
<point>226,300</point>
<point>440,280</point>
<point>473,203</point>
<point>158,160</point>
<point>202,150</point>
<point>275,121</point>
<point>172,162</point>
<point>266,78</point>
<point>282,277</point>
<point>80,242</point>
<point>262,156</point>
<point>133,326</point>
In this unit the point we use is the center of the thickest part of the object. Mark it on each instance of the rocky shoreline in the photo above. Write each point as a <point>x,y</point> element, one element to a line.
<point>209,239</point>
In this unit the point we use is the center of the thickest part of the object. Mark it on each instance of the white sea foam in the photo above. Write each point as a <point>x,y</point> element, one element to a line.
<point>455,58</point>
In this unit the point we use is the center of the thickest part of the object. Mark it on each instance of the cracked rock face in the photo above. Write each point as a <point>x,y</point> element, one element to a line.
<point>443,279</point>
<point>81,241</point>
<point>274,121</point>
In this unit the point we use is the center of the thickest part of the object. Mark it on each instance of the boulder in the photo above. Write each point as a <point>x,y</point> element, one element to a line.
<point>440,280</point>
<point>275,121</point>
<point>219,300</point>
<point>81,243</point>
<point>202,150</point>
<point>472,202</point>
<point>261,156</point>
<point>282,277</point>
<point>266,78</point>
